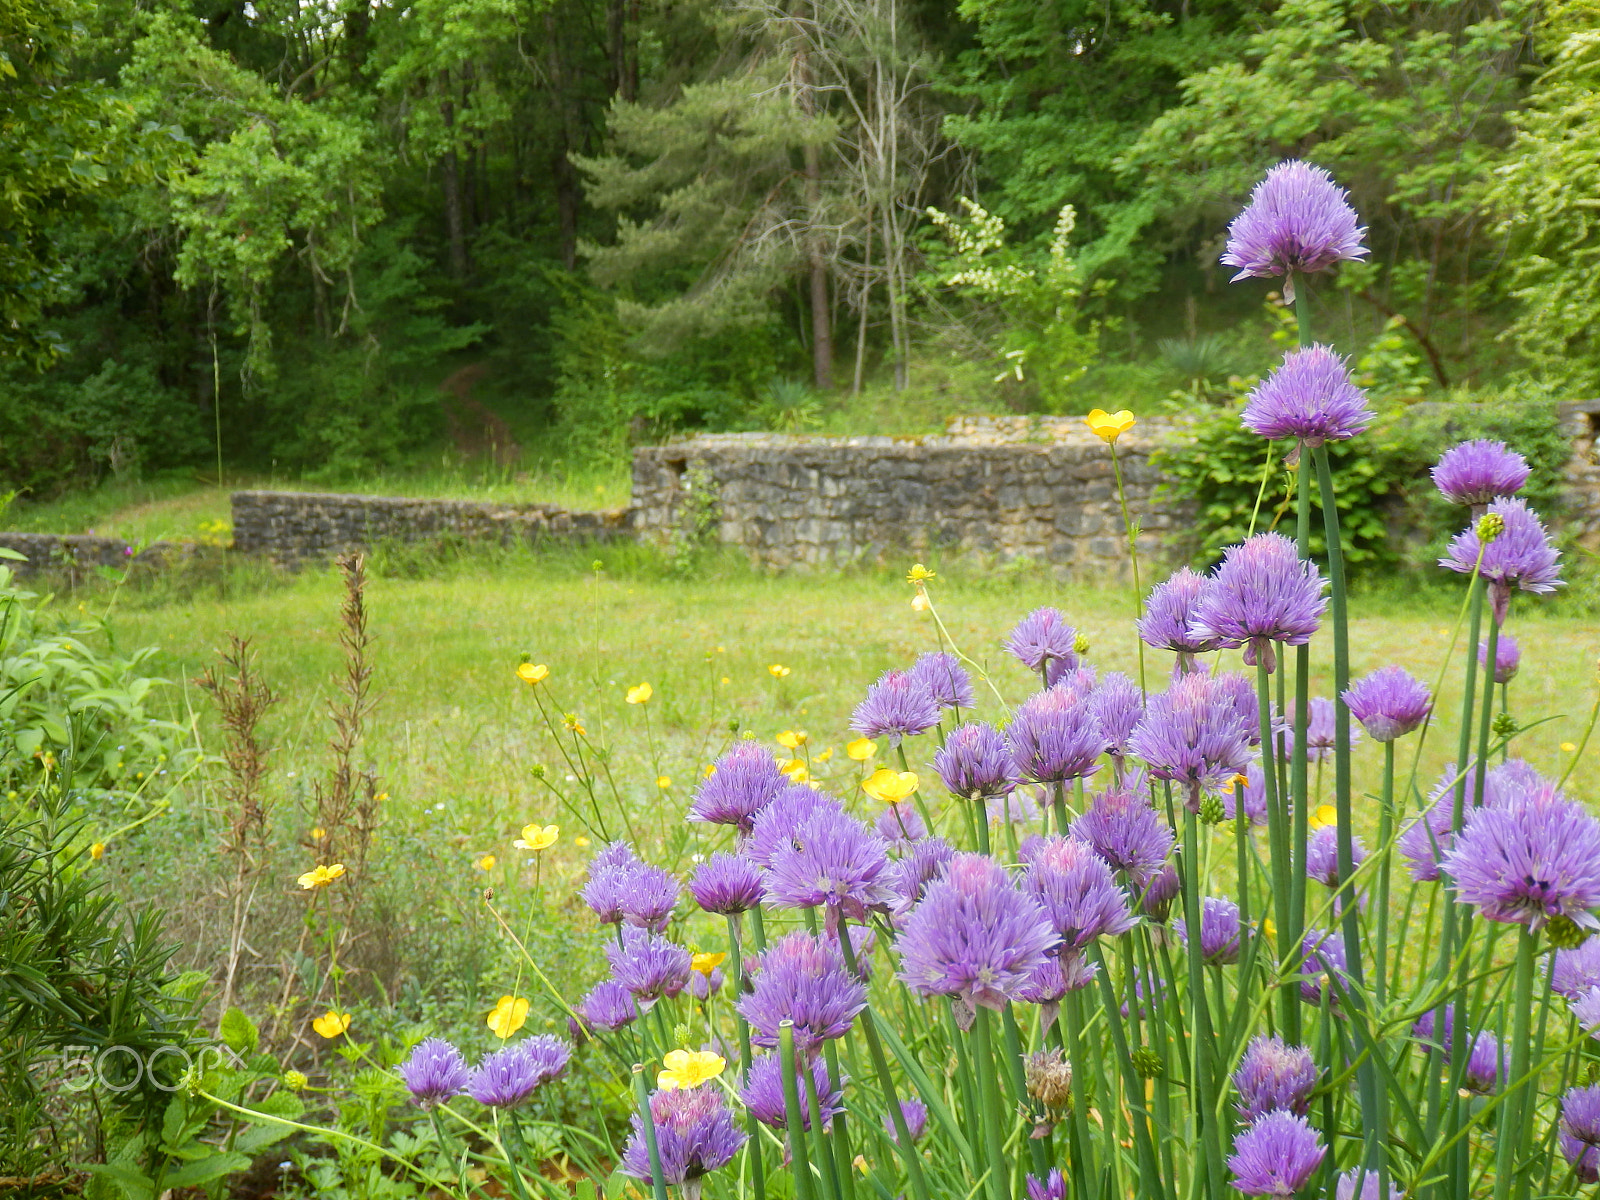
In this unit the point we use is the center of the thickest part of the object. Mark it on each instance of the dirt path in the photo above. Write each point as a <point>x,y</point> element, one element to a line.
<point>475,430</point>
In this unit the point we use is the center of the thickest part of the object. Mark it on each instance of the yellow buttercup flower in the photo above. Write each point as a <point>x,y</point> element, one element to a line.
<point>688,1069</point>
<point>889,785</point>
<point>318,833</point>
<point>580,841</point>
<point>97,851</point>
<point>1108,427</point>
<point>1236,781</point>
<point>1269,927</point>
<point>705,963</point>
<point>321,877</point>
<point>486,863</point>
<point>663,782</point>
<point>331,1024</point>
<point>537,837</point>
<point>825,755</point>
<point>574,724</point>
<point>532,673</point>
<point>508,1016</point>
<point>795,769</point>
<point>709,770</point>
<point>1324,814</point>
<point>861,749</point>
<point>1568,747</point>
<point>640,694</point>
<point>918,573</point>
<point>778,671</point>
<point>792,739</point>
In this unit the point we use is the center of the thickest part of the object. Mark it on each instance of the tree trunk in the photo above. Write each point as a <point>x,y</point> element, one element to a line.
<point>821,316</point>
<point>561,169</point>
<point>616,40</point>
<point>450,173</point>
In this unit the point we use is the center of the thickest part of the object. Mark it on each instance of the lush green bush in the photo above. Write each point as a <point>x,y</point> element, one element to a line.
<point>1391,515</point>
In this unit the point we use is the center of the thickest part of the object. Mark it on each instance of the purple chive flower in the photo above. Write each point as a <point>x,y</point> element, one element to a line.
<point>1483,1064</point>
<point>705,984</point>
<point>647,965</point>
<point>1252,790</point>
<point>1321,730</point>
<point>923,863</point>
<point>1191,734</point>
<point>1168,613</point>
<point>727,884</point>
<point>1580,1131</point>
<point>896,707</point>
<point>974,935</point>
<point>1322,855</point>
<point>509,1076</point>
<point>745,781</point>
<point>802,979</point>
<point>1577,970</point>
<point>834,861</point>
<point>1389,703</point>
<point>1019,807</point>
<point>1219,931</point>
<point>1425,840</point>
<point>1298,219</point>
<point>1361,1184</point>
<point>915,1113</point>
<point>1155,901</point>
<point>1262,592</point>
<point>695,1134</point>
<point>1054,737</point>
<point>1272,1076</point>
<point>1146,985</point>
<point>1586,1010</point>
<point>608,1006</point>
<point>1043,638</point>
<point>944,678</point>
<point>1428,1024</point>
<point>1127,833</point>
<point>1310,397</point>
<point>647,896</point>
<point>763,1093</point>
<point>1325,965</point>
<point>1521,556</point>
<point>1080,678</point>
<point>1511,779</point>
<point>1507,657</point>
<point>1477,472</point>
<point>434,1072</point>
<point>975,762</point>
<point>777,825</point>
<point>1116,707</point>
<point>900,824</point>
<point>1051,1187</point>
<point>607,886</point>
<point>1276,1156</point>
<point>1240,691</point>
<point>1533,857</point>
<point>1078,894</point>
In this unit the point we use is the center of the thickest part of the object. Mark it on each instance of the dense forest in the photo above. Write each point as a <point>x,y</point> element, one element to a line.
<point>315,236</point>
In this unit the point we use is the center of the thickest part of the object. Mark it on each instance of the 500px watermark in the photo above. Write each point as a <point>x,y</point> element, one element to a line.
<point>122,1068</point>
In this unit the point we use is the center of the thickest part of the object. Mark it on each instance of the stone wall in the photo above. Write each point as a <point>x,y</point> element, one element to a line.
<point>1003,488</point>
<point>76,556</point>
<point>294,527</point>
<point>1581,422</point>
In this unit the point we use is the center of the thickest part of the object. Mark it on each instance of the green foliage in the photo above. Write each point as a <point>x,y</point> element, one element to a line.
<point>86,718</point>
<point>1546,194</point>
<point>1390,516</point>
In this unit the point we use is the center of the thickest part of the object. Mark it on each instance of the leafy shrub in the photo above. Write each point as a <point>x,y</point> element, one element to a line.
<point>1390,513</point>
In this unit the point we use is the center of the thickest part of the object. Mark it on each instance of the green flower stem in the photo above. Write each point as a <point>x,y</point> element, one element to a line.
<point>1204,1093</point>
<point>843,1158</point>
<point>1380,947</point>
<point>1278,837</point>
<point>791,1107</point>
<point>647,1123</point>
<point>821,1152</point>
<point>880,1066</point>
<point>1517,1120</point>
<point>1058,805</point>
<point>1084,1167</point>
<point>988,1085</point>
<point>1133,555</point>
<point>758,1177</point>
<point>517,1153</point>
<point>1151,1184</point>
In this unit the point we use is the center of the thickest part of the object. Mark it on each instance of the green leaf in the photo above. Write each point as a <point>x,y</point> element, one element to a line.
<point>239,1032</point>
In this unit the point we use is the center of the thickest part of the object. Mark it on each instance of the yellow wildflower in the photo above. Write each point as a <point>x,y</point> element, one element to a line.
<point>640,694</point>
<point>709,770</point>
<point>688,1069</point>
<point>486,863</point>
<point>508,1016</point>
<point>97,851</point>
<point>532,673</point>
<point>918,573</point>
<point>792,739</point>
<point>920,602</point>
<point>1568,747</point>
<point>321,877</point>
<point>726,681</point>
<point>861,749</point>
<point>889,785</point>
<point>825,755</point>
<point>318,833</point>
<point>1236,781</point>
<point>536,837</point>
<point>1324,814</point>
<point>1108,427</point>
<point>331,1024</point>
<point>580,841</point>
<point>574,724</point>
<point>1269,927</point>
<point>663,782</point>
<point>795,769</point>
<point>778,671</point>
<point>706,963</point>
